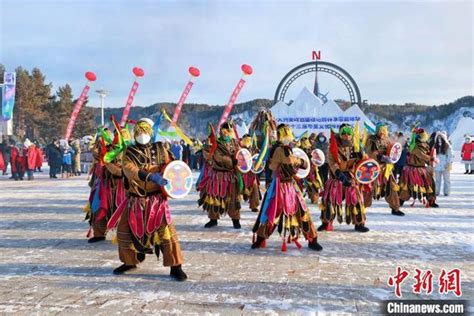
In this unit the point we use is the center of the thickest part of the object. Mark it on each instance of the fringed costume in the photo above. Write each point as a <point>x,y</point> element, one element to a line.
<point>386,185</point>
<point>417,180</point>
<point>283,207</point>
<point>143,218</point>
<point>342,185</point>
<point>251,192</point>
<point>107,190</point>
<point>312,182</point>
<point>222,188</point>
<point>107,193</point>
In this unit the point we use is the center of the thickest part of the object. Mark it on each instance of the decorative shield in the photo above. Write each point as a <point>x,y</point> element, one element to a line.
<point>302,173</point>
<point>394,152</point>
<point>254,168</point>
<point>244,160</point>
<point>317,157</point>
<point>367,171</point>
<point>180,179</point>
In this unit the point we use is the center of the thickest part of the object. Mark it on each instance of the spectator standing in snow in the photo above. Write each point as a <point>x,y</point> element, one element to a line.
<point>76,158</point>
<point>67,162</point>
<point>443,168</point>
<point>466,155</point>
<point>6,149</point>
<point>186,152</point>
<point>55,160</point>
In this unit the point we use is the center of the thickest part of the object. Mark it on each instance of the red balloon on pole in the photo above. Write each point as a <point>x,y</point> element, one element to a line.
<point>90,76</point>
<point>246,69</point>
<point>194,71</point>
<point>137,71</point>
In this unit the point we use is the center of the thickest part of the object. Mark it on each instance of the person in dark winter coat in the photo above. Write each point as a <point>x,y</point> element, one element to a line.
<point>6,150</point>
<point>55,160</point>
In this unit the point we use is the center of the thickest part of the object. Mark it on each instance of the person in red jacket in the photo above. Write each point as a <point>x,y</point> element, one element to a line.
<point>2,162</point>
<point>18,161</point>
<point>31,156</point>
<point>467,156</point>
<point>39,158</point>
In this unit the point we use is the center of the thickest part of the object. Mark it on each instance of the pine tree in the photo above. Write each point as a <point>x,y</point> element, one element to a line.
<point>41,97</point>
<point>63,110</point>
<point>23,102</point>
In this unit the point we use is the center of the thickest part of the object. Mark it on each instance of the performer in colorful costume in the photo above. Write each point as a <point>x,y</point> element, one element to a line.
<point>312,182</point>
<point>417,180</point>
<point>201,182</point>
<point>144,220</point>
<point>283,205</point>
<point>251,180</point>
<point>342,184</point>
<point>386,185</point>
<point>222,191</point>
<point>264,122</point>
<point>107,188</point>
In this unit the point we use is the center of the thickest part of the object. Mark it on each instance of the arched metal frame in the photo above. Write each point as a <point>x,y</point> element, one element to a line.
<point>319,66</point>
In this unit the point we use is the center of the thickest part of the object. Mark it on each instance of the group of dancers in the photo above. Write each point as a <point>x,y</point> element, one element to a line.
<point>128,196</point>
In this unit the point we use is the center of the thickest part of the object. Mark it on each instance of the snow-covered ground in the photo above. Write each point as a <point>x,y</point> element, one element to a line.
<point>47,266</point>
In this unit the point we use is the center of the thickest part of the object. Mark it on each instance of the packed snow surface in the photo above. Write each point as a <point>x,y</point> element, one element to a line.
<point>47,266</point>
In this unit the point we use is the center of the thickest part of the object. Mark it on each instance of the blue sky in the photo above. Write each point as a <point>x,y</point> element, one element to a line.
<point>397,51</point>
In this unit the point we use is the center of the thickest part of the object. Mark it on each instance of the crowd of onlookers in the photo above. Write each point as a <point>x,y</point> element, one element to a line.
<point>26,158</point>
<point>191,155</point>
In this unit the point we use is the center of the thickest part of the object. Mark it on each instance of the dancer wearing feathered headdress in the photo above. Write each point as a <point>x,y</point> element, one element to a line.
<point>417,180</point>
<point>342,184</point>
<point>107,188</point>
<point>283,207</point>
<point>222,188</point>
<point>386,186</point>
<point>143,219</point>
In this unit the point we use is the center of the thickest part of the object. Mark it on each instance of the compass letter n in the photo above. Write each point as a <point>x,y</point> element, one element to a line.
<point>316,55</point>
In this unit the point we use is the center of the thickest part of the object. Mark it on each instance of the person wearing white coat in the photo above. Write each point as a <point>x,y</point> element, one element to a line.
<point>443,168</point>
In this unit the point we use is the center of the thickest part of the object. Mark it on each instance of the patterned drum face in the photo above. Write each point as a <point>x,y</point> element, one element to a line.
<point>317,157</point>
<point>244,160</point>
<point>260,168</point>
<point>394,152</point>
<point>180,179</point>
<point>302,173</point>
<point>367,171</point>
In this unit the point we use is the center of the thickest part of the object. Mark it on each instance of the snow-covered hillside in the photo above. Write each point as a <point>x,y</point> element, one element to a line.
<point>464,126</point>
